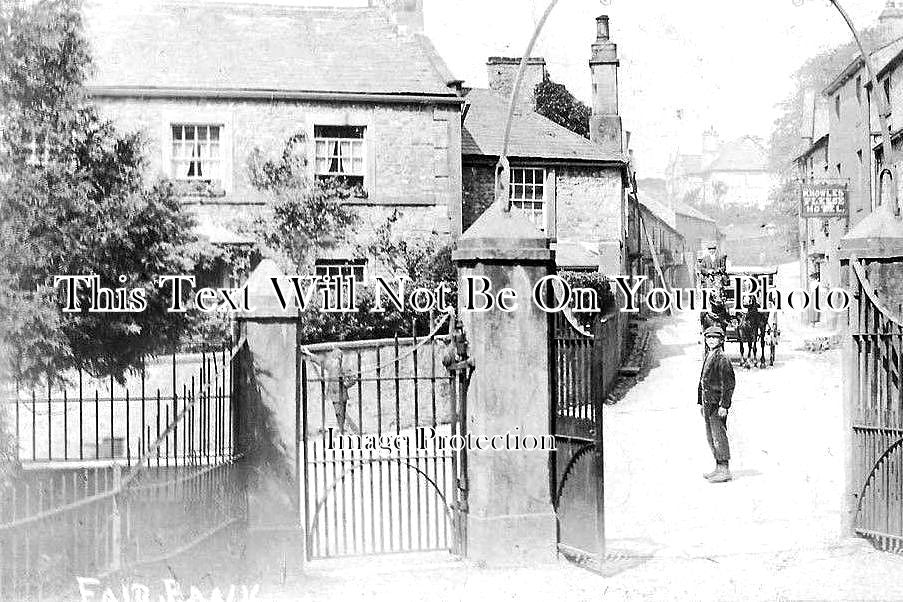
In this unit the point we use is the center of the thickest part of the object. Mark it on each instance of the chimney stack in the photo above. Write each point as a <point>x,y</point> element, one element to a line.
<point>502,71</point>
<point>406,15</point>
<point>711,145</point>
<point>890,21</point>
<point>605,123</point>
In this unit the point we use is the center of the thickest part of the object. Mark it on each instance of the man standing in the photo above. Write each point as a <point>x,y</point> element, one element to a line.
<point>716,387</point>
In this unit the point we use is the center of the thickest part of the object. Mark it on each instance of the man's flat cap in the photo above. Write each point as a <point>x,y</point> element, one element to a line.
<point>714,331</point>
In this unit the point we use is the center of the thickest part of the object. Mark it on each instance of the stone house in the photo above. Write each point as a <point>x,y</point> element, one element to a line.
<point>362,89</point>
<point>735,172</point>
<point>573,188</point>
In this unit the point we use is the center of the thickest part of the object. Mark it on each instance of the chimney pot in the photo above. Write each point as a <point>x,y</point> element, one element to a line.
<point>602,32</point>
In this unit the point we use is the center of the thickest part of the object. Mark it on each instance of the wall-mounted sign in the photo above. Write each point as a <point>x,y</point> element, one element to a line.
<point>824,199</point>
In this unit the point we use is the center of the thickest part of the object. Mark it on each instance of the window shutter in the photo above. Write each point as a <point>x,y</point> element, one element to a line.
<point>551,205</point>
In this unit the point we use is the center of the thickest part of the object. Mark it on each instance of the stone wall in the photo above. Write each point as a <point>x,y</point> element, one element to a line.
<point>413,153</point>
<point>589,204</point>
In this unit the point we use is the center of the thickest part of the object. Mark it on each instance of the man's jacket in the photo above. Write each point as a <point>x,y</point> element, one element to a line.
<point>716,382</point>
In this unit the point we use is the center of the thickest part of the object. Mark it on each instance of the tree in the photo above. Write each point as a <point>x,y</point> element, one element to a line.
<point>417,257</point>
<point>556,103</point>
<point>814,75</point>
<point>425,260</point>
<point>303,215</point>
<point>74,203</point>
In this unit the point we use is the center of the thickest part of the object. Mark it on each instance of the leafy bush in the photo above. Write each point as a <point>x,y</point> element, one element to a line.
<point>420,258</point>
<point>303,215</point>
<point>595,281</point>
<point>318,327</point>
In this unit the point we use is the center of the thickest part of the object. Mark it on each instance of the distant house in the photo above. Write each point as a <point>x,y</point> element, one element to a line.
<point>573,188</point>
<point>697,228</point>
<point>363,88</point>
<point>730,173</point>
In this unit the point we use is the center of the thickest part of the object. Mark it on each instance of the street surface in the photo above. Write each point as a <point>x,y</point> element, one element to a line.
<point>771,534</point>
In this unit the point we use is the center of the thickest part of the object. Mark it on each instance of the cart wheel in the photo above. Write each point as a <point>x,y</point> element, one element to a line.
<point>771,355</point>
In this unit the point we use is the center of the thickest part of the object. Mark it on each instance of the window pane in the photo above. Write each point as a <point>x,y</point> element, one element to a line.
<point>202,132</point>
<point>189,132</point>
<point>214,150</point>
<point>214,132</point>
<point>517,175</point>
<point>358,167</point>
<point>176,132</point>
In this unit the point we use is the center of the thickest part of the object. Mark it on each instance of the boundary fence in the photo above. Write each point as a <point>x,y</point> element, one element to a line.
<point>176,483</point>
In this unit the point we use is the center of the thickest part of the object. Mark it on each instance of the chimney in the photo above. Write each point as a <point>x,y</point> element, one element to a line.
<point>406,15</point>
<point>711,145</point>
<point>605,123</point>
<point>890,21</point>
<point>502,71</point>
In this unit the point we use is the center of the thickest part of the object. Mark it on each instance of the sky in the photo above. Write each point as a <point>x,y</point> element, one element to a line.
<point>686,65</point>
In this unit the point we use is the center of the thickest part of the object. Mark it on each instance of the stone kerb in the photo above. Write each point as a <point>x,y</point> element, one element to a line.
<point>511,519</point>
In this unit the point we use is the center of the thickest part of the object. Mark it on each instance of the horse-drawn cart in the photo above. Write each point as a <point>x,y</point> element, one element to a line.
<point>753,329</point>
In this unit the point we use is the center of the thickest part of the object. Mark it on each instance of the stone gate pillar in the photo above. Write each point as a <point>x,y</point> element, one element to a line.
<point>511,519</point>
<point>876,242</point>
<point>266,396</point>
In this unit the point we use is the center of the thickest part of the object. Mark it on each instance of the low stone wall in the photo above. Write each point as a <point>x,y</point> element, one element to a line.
<point>611,331</point>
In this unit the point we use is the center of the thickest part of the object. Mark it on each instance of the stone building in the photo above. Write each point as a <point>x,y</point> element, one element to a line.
<point>362,89</point>
<point>697,229</point>
<point>573,189</point>
<point>735,172</point>
<point>841,134</point>
<point>649,221</point>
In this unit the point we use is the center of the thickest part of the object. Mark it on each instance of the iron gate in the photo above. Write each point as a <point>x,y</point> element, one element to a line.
<point>576,471</point>
<point>877,415</point>
<point>380,426</point>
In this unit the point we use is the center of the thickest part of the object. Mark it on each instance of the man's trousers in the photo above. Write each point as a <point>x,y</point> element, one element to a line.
<point>716,433</point>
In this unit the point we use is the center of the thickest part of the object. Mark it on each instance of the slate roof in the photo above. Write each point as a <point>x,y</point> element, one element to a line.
<point>688,164</point>
<point>659,209</point>
<point>882,58</point>
<point>224,46</point>
<point>532,135</point>
<point>682,208</point>
<point>743,154</point>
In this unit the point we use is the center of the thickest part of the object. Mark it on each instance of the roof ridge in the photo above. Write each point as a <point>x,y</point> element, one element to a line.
<point>277,6</point>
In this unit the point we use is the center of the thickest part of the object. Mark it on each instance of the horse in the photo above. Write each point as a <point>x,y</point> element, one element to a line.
<point>752,331</point>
